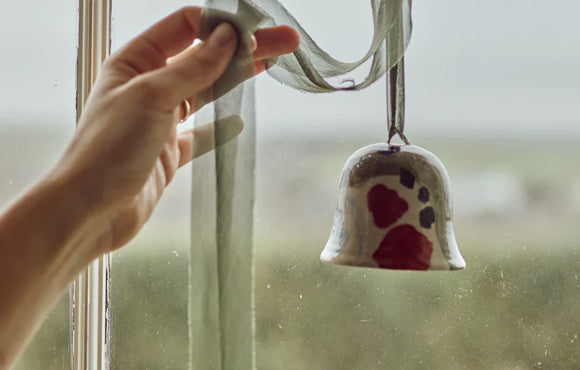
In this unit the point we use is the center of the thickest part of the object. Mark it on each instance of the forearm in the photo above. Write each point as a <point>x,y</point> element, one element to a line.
<point>45,241</point>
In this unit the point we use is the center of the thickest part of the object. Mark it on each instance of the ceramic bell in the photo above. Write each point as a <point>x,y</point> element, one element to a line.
<point>394,212</point>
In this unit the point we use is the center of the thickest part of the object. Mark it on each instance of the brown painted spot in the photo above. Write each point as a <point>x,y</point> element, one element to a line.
<point>427,217</point>
<point>407,178</point>
<point>423,195</point>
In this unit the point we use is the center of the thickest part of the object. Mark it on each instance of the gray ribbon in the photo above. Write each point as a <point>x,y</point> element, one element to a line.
<point>221,271</point>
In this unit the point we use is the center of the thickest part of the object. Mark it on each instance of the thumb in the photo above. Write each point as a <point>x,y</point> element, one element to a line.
<point>196,69</point>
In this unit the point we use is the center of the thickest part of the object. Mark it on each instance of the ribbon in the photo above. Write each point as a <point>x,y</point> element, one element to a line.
<point>221,309</point>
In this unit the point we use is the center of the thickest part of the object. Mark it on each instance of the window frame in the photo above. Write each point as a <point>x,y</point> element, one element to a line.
<point>89,337</point>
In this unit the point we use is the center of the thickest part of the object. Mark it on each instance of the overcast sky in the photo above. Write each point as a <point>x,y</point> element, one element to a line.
<point>472,66</point>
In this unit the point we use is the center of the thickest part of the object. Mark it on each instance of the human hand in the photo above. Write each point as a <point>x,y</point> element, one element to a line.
<point>127,148</point>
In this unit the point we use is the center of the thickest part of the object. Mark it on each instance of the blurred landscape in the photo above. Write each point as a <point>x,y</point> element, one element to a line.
<point>492,90</point>
<point>516,306</point>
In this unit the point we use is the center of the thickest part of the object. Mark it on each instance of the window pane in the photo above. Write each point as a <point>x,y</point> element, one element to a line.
<point>149,277</point>
<point>37,117</point>
<point>515,306</point>
<point>491,90</point>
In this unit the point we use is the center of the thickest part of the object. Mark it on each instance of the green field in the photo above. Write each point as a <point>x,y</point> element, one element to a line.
<point>516,306</point>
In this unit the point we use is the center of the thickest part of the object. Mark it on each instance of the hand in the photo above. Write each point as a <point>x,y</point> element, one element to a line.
<point>127,149</point>
<point>125,152</point>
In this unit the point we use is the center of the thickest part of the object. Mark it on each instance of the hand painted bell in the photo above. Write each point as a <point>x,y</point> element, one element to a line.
<point>394,212</point>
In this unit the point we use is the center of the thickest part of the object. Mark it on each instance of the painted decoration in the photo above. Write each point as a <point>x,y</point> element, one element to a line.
<point>394,212</point>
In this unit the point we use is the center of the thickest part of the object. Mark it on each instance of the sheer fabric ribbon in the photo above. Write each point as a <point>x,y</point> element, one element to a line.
<point>221,272</point>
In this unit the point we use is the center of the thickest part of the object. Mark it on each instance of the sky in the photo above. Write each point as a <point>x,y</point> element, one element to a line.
<point>480,68</point>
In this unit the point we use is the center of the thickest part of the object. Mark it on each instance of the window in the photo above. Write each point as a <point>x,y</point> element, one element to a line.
<point>37,117</point>
<point>149,278</point>
<point>492,90</point>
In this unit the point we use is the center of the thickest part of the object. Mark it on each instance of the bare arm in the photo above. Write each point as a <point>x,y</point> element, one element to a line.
<point>125,152</point>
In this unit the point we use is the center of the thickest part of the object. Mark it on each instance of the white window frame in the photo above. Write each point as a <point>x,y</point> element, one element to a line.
<point>89,292</point>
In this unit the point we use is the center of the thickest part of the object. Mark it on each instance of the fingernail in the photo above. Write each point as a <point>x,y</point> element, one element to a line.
<point>222,35</point>
<point>253,44</point>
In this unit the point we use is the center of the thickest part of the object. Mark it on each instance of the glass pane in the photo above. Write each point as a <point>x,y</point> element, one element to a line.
<point>149,277</point>
<point>37,117</point>
<point>492,92</point>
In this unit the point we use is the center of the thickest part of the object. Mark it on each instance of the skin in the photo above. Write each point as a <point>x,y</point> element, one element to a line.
<point>111,176</point>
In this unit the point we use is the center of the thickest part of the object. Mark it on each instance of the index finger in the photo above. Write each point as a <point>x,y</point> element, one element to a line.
<point>151,49</point>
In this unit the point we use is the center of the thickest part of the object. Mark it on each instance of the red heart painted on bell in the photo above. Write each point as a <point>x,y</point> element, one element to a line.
<point>386,205</point>
<point>404,248</point>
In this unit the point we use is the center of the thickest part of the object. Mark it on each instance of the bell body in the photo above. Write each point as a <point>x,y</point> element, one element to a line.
<point>394,212</point>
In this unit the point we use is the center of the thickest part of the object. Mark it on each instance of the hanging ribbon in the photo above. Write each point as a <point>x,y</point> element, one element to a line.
<point>221,279</point>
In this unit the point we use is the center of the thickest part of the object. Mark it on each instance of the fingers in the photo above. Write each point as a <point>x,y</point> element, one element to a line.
<point>164,86</point>
<point>196,70</point>
<point>200,140</point>
<point>198,101</point>
<point>176,32</point>
<point>166,38</point>
<point>275,41</point>
<point>262,65</point>
<point>267,43</point>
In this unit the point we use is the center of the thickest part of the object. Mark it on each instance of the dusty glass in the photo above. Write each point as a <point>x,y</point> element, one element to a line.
<point>149,277</point>
<point>37,117</point>
<point>491,90</point>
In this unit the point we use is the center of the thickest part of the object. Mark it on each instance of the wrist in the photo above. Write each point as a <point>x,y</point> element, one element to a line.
<point>46,240</point>
<point>73,218</point>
